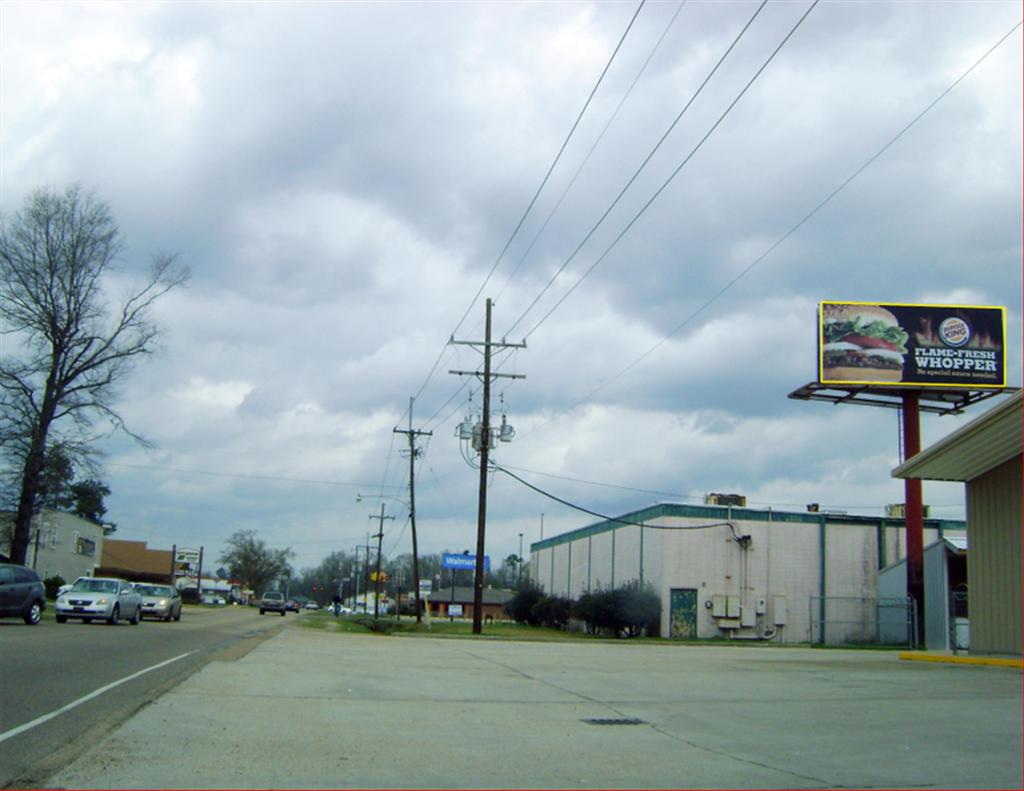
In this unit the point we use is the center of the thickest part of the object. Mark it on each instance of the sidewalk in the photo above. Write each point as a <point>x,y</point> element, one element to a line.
<point>307,709</point>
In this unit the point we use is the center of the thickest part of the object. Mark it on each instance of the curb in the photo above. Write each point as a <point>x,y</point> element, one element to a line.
<point>914,656</point>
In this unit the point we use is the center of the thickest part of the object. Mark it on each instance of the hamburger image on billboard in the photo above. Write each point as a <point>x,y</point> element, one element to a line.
<point>861,343</point>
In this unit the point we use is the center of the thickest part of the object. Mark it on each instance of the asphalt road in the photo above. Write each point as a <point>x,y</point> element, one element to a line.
<point>46,671</point>
<point>315,709</point>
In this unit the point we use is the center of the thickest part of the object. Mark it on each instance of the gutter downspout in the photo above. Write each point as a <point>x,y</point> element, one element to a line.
<point>821,577</point>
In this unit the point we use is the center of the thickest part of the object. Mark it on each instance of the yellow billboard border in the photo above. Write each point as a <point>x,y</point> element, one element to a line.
<point>908,385</point>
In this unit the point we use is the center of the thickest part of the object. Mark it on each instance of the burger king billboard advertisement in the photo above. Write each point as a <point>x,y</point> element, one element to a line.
<point>919,345</point>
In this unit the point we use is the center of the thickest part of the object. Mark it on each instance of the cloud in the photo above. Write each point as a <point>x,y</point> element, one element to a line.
<point>342,177</point>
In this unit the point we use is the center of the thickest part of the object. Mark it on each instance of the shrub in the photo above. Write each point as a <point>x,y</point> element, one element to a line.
<point>629,611</point>
<point>640,610</point>
<point>520,607</point>
<point>551,611</point>
<point>52,584</point>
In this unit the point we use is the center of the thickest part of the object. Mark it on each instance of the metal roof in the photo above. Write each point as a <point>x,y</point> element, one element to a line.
<point>984,443</point>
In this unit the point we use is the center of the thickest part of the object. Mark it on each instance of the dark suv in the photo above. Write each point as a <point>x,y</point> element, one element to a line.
<point>22,595</point>
<point>273,601</point>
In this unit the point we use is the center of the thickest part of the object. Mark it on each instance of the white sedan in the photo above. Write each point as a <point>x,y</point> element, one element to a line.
<point>100,598</point>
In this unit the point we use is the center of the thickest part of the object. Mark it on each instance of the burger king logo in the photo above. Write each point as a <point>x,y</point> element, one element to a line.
<point>955,332</point>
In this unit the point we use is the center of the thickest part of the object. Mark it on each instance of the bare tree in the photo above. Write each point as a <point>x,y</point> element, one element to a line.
<point>66,348</point>
<point>253,563</point>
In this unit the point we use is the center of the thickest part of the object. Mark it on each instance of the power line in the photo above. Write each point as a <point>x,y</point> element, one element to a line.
<point>278,478</point>
<point>677,495</point>
<point>640,169</point>
<point>605,517</point>
<point>593,148</point>
<point>753,264</point>
<point>519,225</point>
<point>669,180</point>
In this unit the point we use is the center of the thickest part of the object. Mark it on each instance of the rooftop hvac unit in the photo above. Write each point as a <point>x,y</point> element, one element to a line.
<point>714,498</point>
<point>899,510</point>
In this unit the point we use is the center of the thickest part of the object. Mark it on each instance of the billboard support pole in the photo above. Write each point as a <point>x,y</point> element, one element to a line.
<point>914,510</point>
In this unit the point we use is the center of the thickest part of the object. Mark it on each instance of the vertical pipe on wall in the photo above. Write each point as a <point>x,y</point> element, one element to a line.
<point>821,578</point>
<point>641,554</point>
<point>551,587</point>
<point>613,559</point>
<point>568,575</point>
<point>590,555</point>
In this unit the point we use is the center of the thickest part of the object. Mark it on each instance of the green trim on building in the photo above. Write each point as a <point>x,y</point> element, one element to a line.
<point>717,513</point>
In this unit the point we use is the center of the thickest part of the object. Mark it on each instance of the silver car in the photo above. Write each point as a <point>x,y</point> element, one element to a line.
<point>159,601</point>
<point>100,598</point>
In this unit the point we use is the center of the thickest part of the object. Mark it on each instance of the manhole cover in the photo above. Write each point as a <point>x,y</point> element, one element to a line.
<point>615,721</point>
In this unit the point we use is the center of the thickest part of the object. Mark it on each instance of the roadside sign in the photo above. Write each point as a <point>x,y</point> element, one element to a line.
<point>450,561</point>
<point>426,586</point>
<point>455,610</point>
<point>189,556</point>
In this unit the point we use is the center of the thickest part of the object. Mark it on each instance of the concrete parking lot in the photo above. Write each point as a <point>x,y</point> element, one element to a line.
<point>311,710</point>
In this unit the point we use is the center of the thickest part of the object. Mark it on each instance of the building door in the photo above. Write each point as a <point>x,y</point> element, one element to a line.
<point>683,613</point>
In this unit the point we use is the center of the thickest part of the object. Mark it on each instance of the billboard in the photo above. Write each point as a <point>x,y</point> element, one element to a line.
<point>877,343</point>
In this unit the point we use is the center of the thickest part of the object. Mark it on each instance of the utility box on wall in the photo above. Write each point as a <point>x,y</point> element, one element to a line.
<point>779,610</point>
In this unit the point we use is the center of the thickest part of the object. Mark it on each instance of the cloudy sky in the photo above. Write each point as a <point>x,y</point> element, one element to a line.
<point>342,178</point>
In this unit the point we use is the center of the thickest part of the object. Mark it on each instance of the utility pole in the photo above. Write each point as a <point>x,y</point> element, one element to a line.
<point>376,582</point>
<point>413,454</point>
<point>366,575</point>
<point>519,576</point>
<point>485,443</point>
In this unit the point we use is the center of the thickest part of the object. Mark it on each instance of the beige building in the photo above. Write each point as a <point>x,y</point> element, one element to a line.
<point>60,544</point>
<point>986,455</point>
<point>742,573</point>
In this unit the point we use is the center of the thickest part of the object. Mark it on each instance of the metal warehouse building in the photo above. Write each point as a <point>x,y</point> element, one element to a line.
<point>742,573</point>
<point>986,455</point>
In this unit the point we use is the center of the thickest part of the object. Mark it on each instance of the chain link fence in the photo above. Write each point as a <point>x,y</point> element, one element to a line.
<point>863,620</point>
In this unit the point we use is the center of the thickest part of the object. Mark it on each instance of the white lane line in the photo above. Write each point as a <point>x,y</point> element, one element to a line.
<point>96,693</point>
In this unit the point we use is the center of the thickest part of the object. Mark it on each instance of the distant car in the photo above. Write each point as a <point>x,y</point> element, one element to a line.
<point>159,601</point>
<point>292,606</point>
<point>100,598</point>
<point>214,599</point>
<point>22,594</point>
<point>310,605</point>
<point>273,601</point>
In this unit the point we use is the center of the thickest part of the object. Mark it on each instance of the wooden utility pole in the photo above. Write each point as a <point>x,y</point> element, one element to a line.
<point>485,443</point>
<point>412,506</point>
<point>376,582</point>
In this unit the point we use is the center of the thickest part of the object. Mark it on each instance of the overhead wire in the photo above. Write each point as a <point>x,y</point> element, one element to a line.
<point>800,223</point>
<point>639,170</point>
<point>675,172</point>
<point>593,148</point>
<point>244,476</point>
<point>680,496</point>
<point>536,194</point>
<point>605,517</point>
